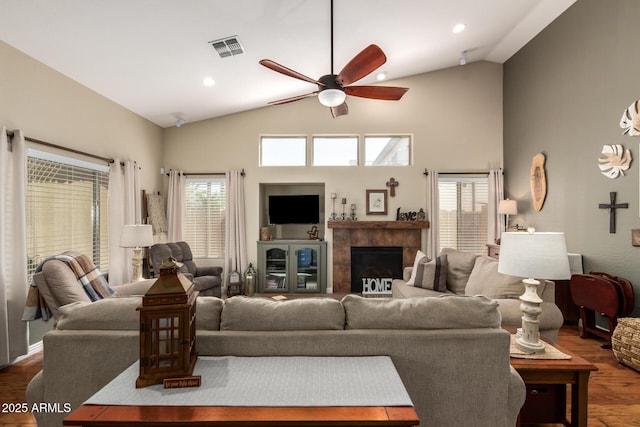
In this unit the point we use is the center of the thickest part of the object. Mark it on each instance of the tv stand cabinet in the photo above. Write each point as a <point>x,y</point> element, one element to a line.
<point>292,266</point>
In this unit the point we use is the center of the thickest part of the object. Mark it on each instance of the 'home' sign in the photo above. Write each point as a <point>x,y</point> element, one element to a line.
<point>376,285</point>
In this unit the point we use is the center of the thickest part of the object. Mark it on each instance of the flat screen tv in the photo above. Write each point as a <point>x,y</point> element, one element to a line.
<point>294,209</point>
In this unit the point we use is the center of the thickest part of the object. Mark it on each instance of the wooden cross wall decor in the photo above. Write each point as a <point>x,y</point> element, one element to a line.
<point>612,206</point>
<point>392,184</point>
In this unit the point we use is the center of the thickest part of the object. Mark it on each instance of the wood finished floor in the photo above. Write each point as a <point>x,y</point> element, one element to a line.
<point>614,390</point>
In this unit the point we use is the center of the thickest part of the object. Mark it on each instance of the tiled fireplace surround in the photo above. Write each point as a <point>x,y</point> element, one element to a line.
<point>346,234</point>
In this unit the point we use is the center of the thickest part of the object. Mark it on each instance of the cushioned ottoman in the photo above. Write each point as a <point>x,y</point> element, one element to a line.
<point>625,342</point>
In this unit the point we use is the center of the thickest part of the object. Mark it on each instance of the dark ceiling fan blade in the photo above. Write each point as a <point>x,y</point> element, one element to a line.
<point>293,98</point>
<point>361,65</point>
<point>340,110</point>
<point>387,93</point>
<point>287,71</point>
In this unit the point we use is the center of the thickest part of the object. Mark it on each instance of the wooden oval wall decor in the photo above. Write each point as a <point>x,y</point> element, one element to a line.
<point>538,181</point>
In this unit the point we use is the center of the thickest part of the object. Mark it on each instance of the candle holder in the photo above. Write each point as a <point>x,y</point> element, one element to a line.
<point>353,212</point>
<point>344,203</point>
<point>333,210</point>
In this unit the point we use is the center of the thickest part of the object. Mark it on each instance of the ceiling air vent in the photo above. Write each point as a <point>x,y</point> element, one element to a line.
<point>229,46</point>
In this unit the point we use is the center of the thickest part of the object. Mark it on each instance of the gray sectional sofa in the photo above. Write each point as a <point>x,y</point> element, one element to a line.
<point>469,274</point>
<point>451,353</point>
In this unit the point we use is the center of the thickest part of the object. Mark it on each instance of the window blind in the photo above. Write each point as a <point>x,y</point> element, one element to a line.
<point>66,208</point>
<point>463,213</point>
<point>205,208</point>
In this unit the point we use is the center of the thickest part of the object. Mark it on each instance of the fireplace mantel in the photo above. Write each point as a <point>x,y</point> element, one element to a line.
<point>384,225</point>
<point>406,234</point>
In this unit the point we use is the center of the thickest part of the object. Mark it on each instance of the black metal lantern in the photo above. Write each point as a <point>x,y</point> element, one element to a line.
<point>167,328</point>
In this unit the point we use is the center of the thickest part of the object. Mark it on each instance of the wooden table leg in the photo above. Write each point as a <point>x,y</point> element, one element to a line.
<point>580,400</point>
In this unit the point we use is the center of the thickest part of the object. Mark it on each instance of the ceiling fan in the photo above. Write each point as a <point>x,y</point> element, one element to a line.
<point>334,88</point>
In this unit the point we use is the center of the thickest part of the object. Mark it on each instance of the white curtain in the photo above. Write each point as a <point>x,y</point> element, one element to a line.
<point>176,206</point>
<point>495,222</point>
<point>235,231</point>
<point>14,335</point>
<point>124,208</point>
<point>433,214</point>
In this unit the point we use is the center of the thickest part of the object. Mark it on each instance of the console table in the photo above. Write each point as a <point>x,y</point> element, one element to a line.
<point>260,391</point>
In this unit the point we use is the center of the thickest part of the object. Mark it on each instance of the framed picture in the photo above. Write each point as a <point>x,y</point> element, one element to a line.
<point>376,202</point>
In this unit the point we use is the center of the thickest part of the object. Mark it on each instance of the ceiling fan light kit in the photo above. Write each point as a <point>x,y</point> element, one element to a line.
<point>334,88</point>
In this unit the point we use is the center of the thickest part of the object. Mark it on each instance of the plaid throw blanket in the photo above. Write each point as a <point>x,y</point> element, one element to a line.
<point>87,275</point>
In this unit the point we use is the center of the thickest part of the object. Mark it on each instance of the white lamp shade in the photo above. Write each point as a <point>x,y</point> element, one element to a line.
<point>136,236</point>
<point>508,207</point>
<point>332,97</point>
<point>534,255</point>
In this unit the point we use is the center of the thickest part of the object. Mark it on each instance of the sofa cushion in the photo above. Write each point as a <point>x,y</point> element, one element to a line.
<point>459,267</point>
<point>62,282</point>
<point>432,274</point>
<point>106,314</point>
<point>445,312</point>
<point>265,314</point>
<point>419,257</point>
<point>208,312</point>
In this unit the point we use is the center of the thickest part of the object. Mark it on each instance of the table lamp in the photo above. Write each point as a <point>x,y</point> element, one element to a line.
<point>533,255</point>
<point>507,207</point>
<point>136,236</point>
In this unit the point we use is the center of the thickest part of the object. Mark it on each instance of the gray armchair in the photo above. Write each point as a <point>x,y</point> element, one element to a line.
<point>207,280</point>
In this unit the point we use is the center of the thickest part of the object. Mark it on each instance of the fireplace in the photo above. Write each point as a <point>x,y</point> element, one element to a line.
<point>374,267</point>
<point>348,234</point>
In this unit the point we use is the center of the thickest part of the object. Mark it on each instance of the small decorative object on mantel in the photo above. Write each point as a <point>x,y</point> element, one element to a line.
<point>392,184</point>
<point>313,233</point>
<point>168,330</point>
<point>630,120</point>
<point>612,206</point>
<point>538,181</point>
<point>614,160</point>
<point>353,213</point>
<point>376,202</point>
<point>344,203</point>
<point>411,215</point>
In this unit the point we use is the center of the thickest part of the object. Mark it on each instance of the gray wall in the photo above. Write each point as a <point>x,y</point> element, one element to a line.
<point>564,95</point>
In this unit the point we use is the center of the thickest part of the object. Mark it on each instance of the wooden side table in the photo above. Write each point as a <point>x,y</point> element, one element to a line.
<point>555,375</point>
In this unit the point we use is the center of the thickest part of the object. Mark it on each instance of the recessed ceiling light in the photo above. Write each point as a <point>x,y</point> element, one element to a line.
<point>458,28</point>
<point>381,75</point>
<point>208,81</point>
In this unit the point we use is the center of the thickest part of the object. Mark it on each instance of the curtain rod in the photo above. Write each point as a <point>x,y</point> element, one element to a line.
<point>60,147</point>
<point>242,173</point>
<point>426,173</point>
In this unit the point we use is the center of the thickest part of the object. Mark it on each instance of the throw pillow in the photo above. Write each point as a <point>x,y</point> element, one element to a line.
<point>419,256</point>
<point>460,265</point>
<point>432,274</point>
<point>485,280</point>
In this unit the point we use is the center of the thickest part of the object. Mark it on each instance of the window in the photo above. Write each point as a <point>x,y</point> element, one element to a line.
<point>387,150</point>
<point>66,208</point>
<point>463,212</point>
<point>283,151</point>
<point>205,201</point>
<point>335,151</point>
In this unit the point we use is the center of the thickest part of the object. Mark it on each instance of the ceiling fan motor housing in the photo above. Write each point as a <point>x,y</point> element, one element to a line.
<point>329,82</point>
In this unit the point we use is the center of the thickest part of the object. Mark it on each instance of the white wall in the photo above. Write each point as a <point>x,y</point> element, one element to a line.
<point>454,115</point>
<point>48,106</point>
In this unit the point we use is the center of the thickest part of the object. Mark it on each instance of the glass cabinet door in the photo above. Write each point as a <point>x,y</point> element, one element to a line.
<point>305,269</point>
<point>275,279</point>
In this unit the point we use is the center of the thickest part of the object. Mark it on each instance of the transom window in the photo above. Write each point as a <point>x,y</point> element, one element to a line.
<point>283,151</point>
<point>387,150</point>
<point>335,150</point>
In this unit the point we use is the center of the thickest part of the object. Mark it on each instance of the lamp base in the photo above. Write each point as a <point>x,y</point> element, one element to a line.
<point>136,262</point>
<point>530,303</point>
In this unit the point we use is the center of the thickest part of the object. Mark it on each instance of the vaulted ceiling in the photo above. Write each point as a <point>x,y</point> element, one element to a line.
<point>151,56</point>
